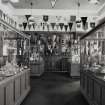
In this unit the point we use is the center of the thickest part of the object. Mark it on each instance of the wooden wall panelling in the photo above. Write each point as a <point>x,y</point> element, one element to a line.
<point>22,83</point>
<point>2,95</point>
<point>97,93</point>
<point>91,88</point>
<point>103,95</point>
<point>10,93</point>
<point>17,88</point>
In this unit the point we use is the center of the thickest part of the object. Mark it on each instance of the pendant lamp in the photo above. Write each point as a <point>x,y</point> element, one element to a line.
<point>31,18</point>
<point>53,2</point>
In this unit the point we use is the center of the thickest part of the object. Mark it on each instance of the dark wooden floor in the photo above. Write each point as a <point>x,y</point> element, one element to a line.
<point>55,89</point>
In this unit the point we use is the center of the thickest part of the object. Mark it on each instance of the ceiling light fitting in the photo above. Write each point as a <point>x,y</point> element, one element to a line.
<point>94,1</point>
<point>14,1</point>
<point>31,18</point>
<point>78,12</point>
<point>53,2</point>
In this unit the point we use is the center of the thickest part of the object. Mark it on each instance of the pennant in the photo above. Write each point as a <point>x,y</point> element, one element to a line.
<point>66,27</point>
<point>61,25</point>
<point>33,26</point>
<point>72,18</point>
<point>1,13</point>
<point>29,26</point>
<point>24,25</point>
<point>86,26</point>
<point>20,25</point>
<point>70,25</point>
<point>45,18</point>
<point>53,25</point>
<point>47,27</point>
<point>78,25</point>
<point>57,26</point>
<point>92,24</point>
<point>84,19</point>
<point>27,17</point>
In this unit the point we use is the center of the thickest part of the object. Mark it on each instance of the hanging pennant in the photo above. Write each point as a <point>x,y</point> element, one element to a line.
<point>33,26</point>
<point>53,2</point>
<point>70,25</point>
<point>61,25</point>
<point>72,18</point>
<point>24,25</point>
<point>20,26</point>
<point>86,26</point>
<point>45,18</point>
<point>66,27</point>
<point>43,26</point>
<point>27,17</point>
<point>84,19</point>
<point>78,25</point>
<point>53,25</point>
<point>57,26</point>
<point>92,24</point>
<point>47,27</point>
<point>1,13</point>
<point>29,26</point>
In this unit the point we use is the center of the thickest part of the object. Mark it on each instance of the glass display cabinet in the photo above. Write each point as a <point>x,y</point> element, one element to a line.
<point>93,65</point>
<point>93,51</point>
<point>13,47</point>
<point>14,60</point>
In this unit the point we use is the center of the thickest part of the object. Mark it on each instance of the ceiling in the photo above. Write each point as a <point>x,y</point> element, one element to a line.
<point>60,4</point>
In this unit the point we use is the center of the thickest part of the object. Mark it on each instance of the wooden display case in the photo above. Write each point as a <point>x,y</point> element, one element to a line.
<point>92,79</point>
<point>15,88</point>
<point>15,82</point>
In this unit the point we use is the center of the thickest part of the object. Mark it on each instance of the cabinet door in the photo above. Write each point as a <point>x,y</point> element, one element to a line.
<point>82,81</point>
<point>41,68</point>
<point>34,69</point>
<point>22,83</point>
<point>1,95</point>
<point>10,94</point>
<point>91,88</point>
<point>103,96</point>
<point>85,83</point>
<point>75,69</point>
<point>27,79</point>
<point>97,93</point>
<point>17,89</point>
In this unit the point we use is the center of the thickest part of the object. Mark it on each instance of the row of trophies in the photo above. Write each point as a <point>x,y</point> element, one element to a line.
<point>8,19</point>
